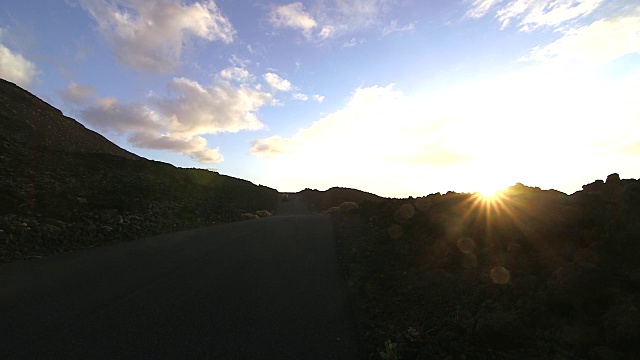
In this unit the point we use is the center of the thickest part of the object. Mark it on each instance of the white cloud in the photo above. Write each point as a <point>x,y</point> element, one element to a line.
<point>273,146</point>
<point>318,98</point>
<point>300,96</point>
<point>178,121</point>
<point>517,127</point>
<point>539,13</point>
<point>590,43</point>
<point>364,109</point>
<point>146,129</point>
<point>16,68</point>
<point>239,62</point>
<point>353,42</point>
<point>480,8</point>
<point>597,43</point>
<point>195,147</point>
<point>360,127</point>
<point>236,74</point>
<point>77,94</point>
<point>277,83</point>
<point>150,35</point>
<point>361,13</point>
<point>195,109</point>
<point>292,16</point>
<point>360,142</point>
<point>109,115</point>
<point>332,18</point>
<point>326,32</point>
<point>532,14</point>
<point>393,27</point>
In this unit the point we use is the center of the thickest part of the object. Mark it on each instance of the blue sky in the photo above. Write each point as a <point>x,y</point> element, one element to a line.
<point>395,97</point>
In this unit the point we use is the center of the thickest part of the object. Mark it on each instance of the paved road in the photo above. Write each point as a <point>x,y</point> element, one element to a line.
<point>261,289</point>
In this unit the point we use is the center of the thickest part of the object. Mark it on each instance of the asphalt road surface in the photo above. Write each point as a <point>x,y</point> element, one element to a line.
<point>260,289</point>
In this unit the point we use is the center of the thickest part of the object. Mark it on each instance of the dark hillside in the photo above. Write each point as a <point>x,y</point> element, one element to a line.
<point>37,125</point>
<point>324,200</point>
<point>533,274</point>
<point>63,187</point>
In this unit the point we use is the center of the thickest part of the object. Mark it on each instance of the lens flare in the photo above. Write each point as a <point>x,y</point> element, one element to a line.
<point>500,275</point>
<point>405,212</point>
<point>466,245</point>
<point>395,231</point>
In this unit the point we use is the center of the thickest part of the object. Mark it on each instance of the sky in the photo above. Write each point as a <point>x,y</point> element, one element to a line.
<point>394,97</point>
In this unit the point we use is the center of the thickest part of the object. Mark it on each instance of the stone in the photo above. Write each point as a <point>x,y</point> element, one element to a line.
<point>612,178</point>
<point>501,330</point>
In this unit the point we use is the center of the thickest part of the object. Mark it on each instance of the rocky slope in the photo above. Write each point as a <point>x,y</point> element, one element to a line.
<point>64,187</point>
<point>532,275</point>
<point>36,125</point>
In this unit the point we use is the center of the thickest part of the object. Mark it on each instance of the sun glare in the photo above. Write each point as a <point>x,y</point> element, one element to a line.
<point>489,193</point>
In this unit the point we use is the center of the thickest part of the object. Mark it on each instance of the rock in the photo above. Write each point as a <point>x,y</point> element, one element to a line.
<point>622,325</point>
<point>603,353</point>
<point>110,216</point>
<point>578,291</point>
<point>248,216</point>
<point>594,187</point>
<point>581,335</point>
<point>133,218</point>
<point>612,178</point>
<point>501,330</point>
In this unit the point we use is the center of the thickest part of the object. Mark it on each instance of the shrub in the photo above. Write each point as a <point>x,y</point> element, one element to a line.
<point>248,216</point>
<point>347,206</point>
<point>263,213</point>
<point>390,351</point>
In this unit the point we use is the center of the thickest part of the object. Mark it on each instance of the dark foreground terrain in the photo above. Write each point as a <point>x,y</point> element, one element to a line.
<point>64,187</point>
<point>261,289</point>
<point>532,274</point>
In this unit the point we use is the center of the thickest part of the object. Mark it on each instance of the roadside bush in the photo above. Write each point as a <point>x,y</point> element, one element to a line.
<point>263,213</point>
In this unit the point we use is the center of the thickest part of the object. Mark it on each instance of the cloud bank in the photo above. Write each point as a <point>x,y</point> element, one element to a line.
<point>597,43</point>
<point>533,14</point>
<point>613,34</point>
<point>292,16</point>
<point>277,83</point>
<point>77,93</point>
<point>321,20</point>
<point>178,120</point>
<point>515,127</point>
<point>150,35</point>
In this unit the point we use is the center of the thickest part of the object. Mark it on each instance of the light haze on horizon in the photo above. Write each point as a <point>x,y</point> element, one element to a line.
<point>394,97</point>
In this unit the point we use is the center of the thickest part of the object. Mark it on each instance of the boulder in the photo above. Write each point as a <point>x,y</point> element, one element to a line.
<point>501,330</point>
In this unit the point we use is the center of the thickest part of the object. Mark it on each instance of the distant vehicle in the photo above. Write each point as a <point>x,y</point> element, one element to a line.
<point>285,197</point>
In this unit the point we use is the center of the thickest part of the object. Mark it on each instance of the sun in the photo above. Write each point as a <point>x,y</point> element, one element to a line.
<point>489,193</point>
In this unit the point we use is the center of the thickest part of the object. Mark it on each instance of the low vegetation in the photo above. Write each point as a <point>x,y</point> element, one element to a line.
<point>531,274</point>
<point>64,187</point>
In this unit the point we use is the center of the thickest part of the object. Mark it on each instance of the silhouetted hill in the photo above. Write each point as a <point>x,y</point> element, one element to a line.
<point>324,200</point>
<point>38,125</point>
<point>532,274</point>
<point>64,187</point>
